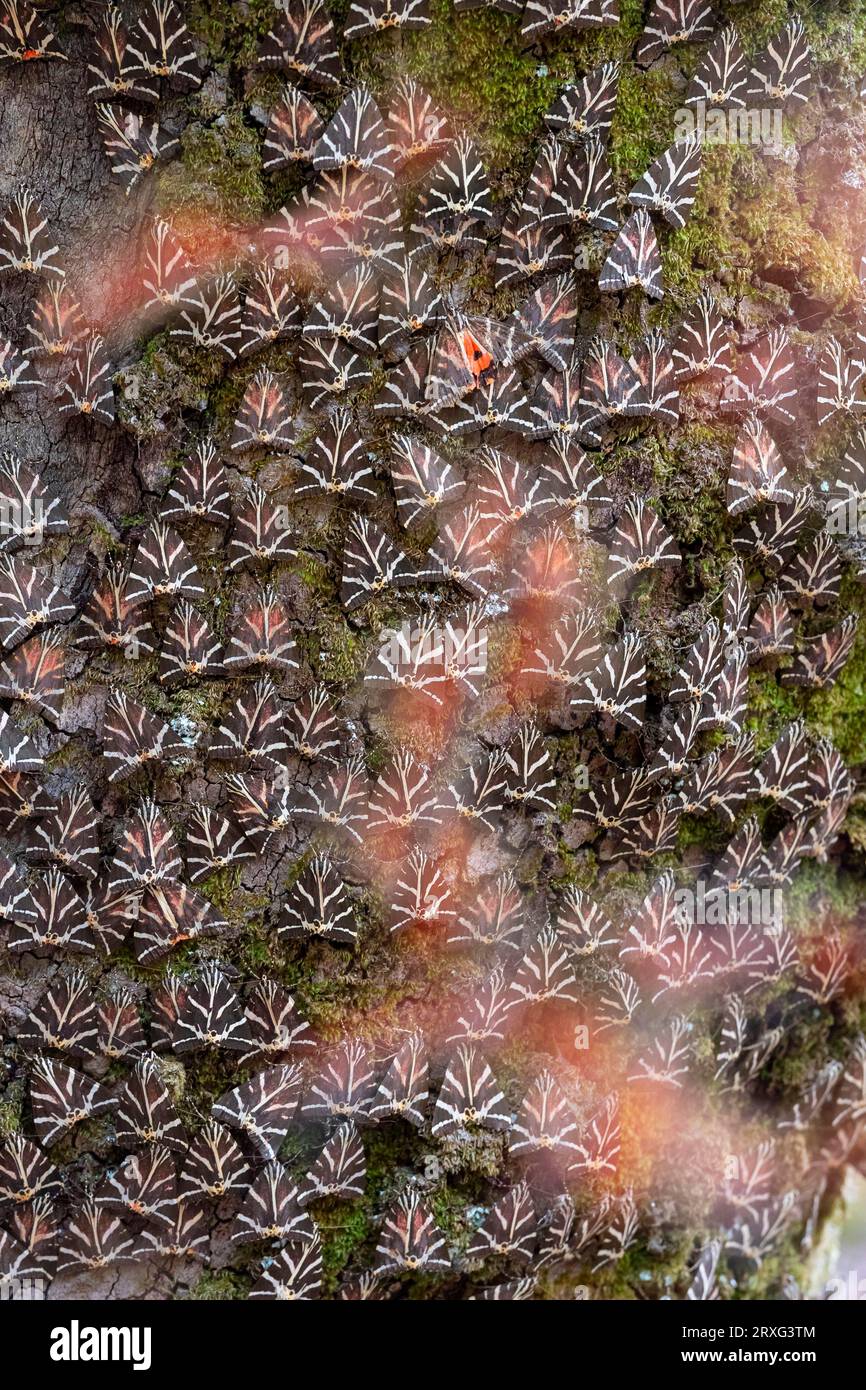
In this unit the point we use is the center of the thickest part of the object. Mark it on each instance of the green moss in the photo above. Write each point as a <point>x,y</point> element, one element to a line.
<point>222,1284</point>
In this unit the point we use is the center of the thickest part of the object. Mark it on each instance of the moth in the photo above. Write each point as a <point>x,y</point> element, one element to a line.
<point>757,472</point>
<point>459,185</point>
<point>33,674</point>
<point>25,242</point>
<point>146,1114</point>
<point>583,925</point>
<point>610,389</point>
<point>16,372</point>
<point>87,387</point>
<point>548,319</point>
<point>168,278</point>
<point>763,382</point>
<point>374,16</point>
<point>134,737</point>
<point>331,369</point>
<point>721,77</point>
<point>261,531</point>
<point>617,687</point>
<point>413,661</point>
<point>672,22</point>
<point>93,1238</point>
<point>294,128</point>
<point>69,835</point>
<point>840,383</point>
<point>814,576</point>
<point>264,419</point>
<point>312,730</point>
<point>271,1210</point>
<point>273,1025</point>
<point>210,1015</point>
<point>529,780</point>
<point>27,511</point>
<point>586,107</point>
<point>782,73</point>
<point>529,251</point>
<point>189,650</point>
<point>499,403</point>
<point>409,303</point>
<point>345,1084</point>
<point>545,973</point>
<point>132,145</point>
<point>338,798</point>
<point>28,600</point>
<point>213,1167</point>
<point>318,905</point>
<point>641,542</point>
<point>478,792</point>
<point>212,318</point>
<point>664,1063</point>
<point>271,311</point>
<point>401,797</point>
<point>262,1108</point>
<point>510,1229</point>
<point>341,1168</point>
<point>671,758</point>
<point>109,619</point>
<point>336,461</point>
<point>144,1185</point>
<point>469,1096</point>
<point>61,1098</point>
<point>545,1122</point>
<point>185,1238</point>
<point>24,37</point>
<point>421,896</point>
<point>303,41</point>
<point>485,1015</point>
<point>582,194</point>
<point>25,1171</point>
<point>780,775</point>
<point>653,365</point>
<point>570,484</point>
<point>818,665</point>
<point>634,260</point>
<point>65,1019</point>
<point>356,137</point>
<point>56,324</point>
<point>773,534</point>
<point>556,406</point>
<point>670,183</point>
<point>703,345</point>
<point>212,844</point>
<point>405,386</point>
<point>410,1239</point>
<point>148,852</point>
<point>293,1274</point>
<point>162,567</point>
<point>199,489</point>
<point>117,71</point>
<point>162,44</point>
<point>18,753</point>
<point>259,638</point>
<point>423,481</point>
<point>120,1032</point>
<point>404,1089</point>
<point>516,1290</point>
<point>697,676</point>
<point>261,808</point>
<point>349,312</point>
<point>170,914</point>
<point>466,350</point>
<point>541,17</point>
<point>373,564</point>
<point>416,127</point>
